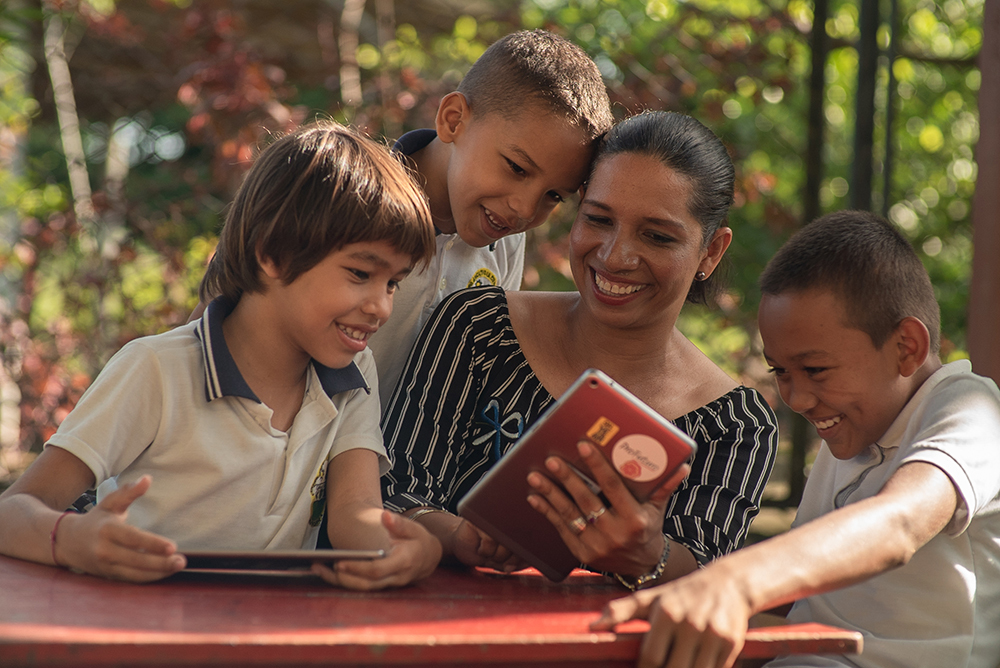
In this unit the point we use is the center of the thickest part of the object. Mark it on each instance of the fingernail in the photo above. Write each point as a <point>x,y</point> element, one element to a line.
<point>534,480</point>
<point>551,464</point>
<point>584,448</point>
<point>532,501</point>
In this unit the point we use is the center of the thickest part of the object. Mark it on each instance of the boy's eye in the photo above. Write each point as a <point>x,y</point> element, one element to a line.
<point>514,167</point>
<point>556,197</point>
<point>393,285</point>
<point>362,275</point>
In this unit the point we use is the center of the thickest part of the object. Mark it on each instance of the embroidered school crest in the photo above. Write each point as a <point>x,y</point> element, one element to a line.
<point>317,491</point>
<point>483,278</point>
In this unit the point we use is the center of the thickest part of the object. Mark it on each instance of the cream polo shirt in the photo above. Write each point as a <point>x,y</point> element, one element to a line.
<point>942,609</point>
<point>456,265</point>
<point>176,406</point>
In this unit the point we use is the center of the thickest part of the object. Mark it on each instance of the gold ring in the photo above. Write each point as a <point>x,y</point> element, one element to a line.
<point>592,517</point>
<point>578,525</point>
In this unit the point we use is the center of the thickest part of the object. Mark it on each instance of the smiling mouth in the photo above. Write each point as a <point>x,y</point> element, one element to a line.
<point>826,424</point>
<point>356,334</point>
<point>616,289</point>
<point>500,228</point>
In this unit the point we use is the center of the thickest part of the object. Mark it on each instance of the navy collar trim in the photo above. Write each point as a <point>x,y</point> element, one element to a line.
<point>223,377</point>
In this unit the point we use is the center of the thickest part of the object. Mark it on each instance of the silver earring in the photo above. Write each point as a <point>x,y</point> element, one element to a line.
<point>700,276</point>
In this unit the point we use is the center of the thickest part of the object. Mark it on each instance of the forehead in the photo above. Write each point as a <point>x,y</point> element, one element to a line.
<point>641,185</point>
<point>806,324</point>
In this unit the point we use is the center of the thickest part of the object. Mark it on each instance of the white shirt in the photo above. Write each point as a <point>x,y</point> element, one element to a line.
<point>942,609</point>
<point>223,478</point>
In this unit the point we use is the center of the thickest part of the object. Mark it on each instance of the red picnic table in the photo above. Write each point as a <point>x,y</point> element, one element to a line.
<point>52,617</point>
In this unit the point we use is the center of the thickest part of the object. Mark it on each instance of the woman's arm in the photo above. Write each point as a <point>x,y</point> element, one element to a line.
<point>427,424</point>
<point>706,614</point>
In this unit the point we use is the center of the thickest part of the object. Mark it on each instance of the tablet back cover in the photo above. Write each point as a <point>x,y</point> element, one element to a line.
<point>642,446</point>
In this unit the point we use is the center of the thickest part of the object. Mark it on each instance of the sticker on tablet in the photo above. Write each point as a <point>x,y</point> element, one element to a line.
<point>602,431</point>
<point>639,457</point>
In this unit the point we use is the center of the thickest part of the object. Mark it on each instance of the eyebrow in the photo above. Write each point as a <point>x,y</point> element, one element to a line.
<point>798,357</point>
<point>663,222</point>
<point>376,259</point>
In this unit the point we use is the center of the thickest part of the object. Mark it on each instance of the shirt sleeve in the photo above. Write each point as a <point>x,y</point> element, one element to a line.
<point>425,426</point>
<point>958,432</point>
<point>119,414</point>
<point>737,437</point>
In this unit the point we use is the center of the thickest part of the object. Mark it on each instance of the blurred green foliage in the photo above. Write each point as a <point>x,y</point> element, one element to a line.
<point>190,88</point>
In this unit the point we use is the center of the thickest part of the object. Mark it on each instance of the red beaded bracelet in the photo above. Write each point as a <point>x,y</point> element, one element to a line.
<point>52,536</point>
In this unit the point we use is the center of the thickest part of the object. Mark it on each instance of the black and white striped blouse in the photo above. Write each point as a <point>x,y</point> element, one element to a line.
<point>467,393</point>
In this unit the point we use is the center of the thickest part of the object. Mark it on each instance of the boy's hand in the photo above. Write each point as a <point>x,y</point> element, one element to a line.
<point>101,543</point>
<point>413,555</point>
<point>699,620</point>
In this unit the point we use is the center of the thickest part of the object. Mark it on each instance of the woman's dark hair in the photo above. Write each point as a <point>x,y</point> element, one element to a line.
<point>689,148</point>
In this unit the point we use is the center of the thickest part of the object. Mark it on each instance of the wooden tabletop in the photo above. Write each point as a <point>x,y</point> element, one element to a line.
<point>52,617</point>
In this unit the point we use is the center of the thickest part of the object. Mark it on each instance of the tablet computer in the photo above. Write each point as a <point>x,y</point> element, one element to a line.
<point>643,447</point>
<point>269,560</point>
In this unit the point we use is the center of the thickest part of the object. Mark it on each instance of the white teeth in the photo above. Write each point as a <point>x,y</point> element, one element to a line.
<point>494,223</point>
<point>614,288</point>
<point>354,333</point>
<point>826,424</point>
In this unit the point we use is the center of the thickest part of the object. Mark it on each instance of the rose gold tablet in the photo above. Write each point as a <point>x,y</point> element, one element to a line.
<point>642,446</point>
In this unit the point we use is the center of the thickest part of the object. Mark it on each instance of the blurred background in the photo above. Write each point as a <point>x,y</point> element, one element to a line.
<point>126,126</point>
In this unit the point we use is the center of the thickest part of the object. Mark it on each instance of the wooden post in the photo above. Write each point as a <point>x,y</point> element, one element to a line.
<point>984,302</point>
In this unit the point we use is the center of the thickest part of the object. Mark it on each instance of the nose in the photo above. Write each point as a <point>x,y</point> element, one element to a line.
<point>796,395</point>
<point>616,252</point>
<point>525,205</point>
<point>379,304</point>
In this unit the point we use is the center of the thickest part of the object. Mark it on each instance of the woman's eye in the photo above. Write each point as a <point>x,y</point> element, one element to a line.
<point>597,220</point>
<point>776,370</point>
<point>813,370</point>
<point>514,167</point>
<point>660,238</point>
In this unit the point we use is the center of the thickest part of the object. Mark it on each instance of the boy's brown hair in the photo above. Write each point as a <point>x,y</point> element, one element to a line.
<point>536,66</point>
<point>868,264</point>
<point>308,194</point>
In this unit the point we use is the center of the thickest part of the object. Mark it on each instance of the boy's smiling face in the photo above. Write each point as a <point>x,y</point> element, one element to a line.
<point>506,174</point>
<point>328,312</point>
<point>830,372</point>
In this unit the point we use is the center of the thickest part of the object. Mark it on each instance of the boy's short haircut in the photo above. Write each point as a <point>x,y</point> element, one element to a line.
<point>868,264</point>
<point>538,66</point>
<point>308,194</point>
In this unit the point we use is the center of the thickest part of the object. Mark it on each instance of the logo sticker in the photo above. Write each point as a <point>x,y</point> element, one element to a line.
<point>639,457</point>
<point>482,278</point>
<point>603,431</point>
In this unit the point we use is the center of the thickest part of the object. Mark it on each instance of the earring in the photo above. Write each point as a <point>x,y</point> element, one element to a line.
<point>700,276</point>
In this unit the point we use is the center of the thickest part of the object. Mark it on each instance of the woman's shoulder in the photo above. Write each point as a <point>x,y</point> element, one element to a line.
<point>742,404</point>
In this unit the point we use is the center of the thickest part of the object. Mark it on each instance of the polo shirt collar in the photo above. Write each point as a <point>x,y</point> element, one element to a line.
<point>223,377</point>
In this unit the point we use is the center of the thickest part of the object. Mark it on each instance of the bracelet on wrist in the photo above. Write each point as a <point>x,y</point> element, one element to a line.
<point>52,536</point>
<point>634,584</point>
<point>426,510</point>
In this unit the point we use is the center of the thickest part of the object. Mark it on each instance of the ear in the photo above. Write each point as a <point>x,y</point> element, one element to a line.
<point>913,343</point>
<point>715,250</point>
<point>269,266</point>
<point>453,115</point>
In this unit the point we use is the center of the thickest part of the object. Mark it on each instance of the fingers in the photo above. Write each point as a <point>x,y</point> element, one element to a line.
<point>662,493</point>
<point>119,500</point>
<point>607,478</point>
<point>622,610</point>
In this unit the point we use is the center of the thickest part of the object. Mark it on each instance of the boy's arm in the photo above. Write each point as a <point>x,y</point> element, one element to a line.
<point>357,521</point>
<point>98,542</point>
<point>704,615</point>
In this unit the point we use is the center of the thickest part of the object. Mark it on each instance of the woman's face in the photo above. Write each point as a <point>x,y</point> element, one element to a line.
<point>635,248</point>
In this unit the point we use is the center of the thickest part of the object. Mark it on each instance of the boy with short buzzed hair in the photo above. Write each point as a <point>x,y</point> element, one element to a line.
<point>510,144</point>
<point>898,532</point>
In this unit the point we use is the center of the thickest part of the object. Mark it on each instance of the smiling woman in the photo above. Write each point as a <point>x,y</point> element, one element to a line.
<point>650,231</point>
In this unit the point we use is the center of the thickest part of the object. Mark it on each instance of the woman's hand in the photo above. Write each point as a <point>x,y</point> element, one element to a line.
<point>101,543</point>
<point>467,544</point>
<point>625,537</point>
<point>413,555</point>
<point>699,620</point>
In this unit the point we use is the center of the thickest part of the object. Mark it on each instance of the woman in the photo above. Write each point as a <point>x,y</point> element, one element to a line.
<point>649,234</point>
